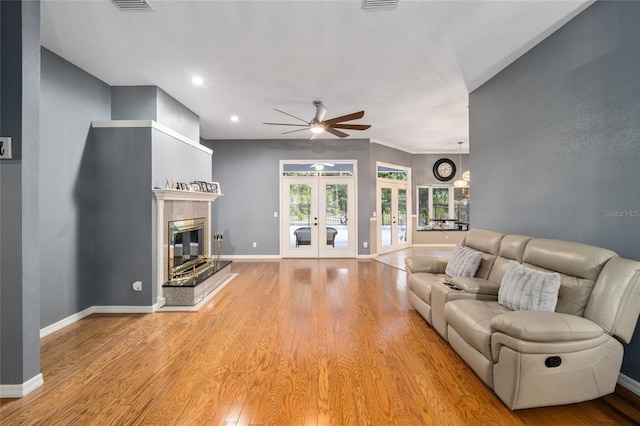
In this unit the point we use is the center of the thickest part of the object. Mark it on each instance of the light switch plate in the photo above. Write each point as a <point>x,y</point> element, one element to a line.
<point>5,148</point>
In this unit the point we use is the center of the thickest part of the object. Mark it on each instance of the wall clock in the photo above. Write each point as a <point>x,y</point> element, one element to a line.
<point>444,169</point>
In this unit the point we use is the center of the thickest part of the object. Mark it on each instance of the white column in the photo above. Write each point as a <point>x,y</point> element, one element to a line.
<point>160,232</point>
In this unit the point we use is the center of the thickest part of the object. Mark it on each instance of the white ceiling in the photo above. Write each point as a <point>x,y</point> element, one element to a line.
<point>410,69</point>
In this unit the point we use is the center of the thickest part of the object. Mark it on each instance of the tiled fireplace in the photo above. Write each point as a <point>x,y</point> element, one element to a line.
<point>186,284</point>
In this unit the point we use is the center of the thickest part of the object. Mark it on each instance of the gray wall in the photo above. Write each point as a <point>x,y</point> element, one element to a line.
<point>81,218</point>
<point>248,174</point>
<point>422,167</point>
<point>69,99</point>
<point>177,117</point>
<point>422,172</point>
<point>123,207</point>
<point>176,160</point>
<point>134,102</point>
<point>128,163</point>
<point>555,139</point>
<point>19,180</point>
<point>153,103</point>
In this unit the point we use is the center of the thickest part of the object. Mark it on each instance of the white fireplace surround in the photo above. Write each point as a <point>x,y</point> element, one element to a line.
<point>177,205</point>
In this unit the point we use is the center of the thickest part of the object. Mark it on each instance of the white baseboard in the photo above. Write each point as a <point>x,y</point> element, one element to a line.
<point>19,391</point>
<point>433,245</point>
<point>160,301</point>
<point>252,257</point>
<point>629,383</point>
<point>123,309</point>
<point>66,321</point>
<point>95,310</point>
<point>366,256</point>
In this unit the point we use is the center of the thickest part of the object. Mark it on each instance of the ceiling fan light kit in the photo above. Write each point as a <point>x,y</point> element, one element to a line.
<point>318,124</point>
<point>317,128</point>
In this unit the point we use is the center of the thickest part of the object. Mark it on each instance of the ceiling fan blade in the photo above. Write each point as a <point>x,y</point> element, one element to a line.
<point>338,133</point>
<point>287,124</point>
<point>291,115</point>
<point>293,131</point>
<point>321,111</point>
<point>348,117</point>
<point>350,126</point>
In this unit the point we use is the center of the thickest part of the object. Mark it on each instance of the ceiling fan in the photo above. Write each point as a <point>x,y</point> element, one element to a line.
<point>318,124</point>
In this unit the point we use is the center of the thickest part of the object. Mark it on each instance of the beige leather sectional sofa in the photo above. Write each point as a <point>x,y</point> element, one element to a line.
<point>534,358</point>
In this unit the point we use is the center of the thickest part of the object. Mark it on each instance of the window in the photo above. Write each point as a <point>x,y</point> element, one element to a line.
<point>461,204</point>
<point>335,169</point>
<point>392,173</point>
<point>441,203</point>
<point>423,206</point>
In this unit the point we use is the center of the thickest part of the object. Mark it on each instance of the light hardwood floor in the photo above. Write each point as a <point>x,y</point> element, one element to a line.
<point>291,342</point>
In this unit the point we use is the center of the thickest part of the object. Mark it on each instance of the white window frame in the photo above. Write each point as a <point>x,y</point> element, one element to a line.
<point>430,188</point>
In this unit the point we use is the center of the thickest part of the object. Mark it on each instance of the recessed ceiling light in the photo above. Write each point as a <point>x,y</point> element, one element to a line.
<point>235,118</point>
<point>197,81</point>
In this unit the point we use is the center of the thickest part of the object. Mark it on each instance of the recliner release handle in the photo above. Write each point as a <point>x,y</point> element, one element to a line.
<point>553,361</point>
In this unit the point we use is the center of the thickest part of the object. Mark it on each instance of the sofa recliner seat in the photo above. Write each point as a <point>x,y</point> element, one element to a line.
<point>534,358</point>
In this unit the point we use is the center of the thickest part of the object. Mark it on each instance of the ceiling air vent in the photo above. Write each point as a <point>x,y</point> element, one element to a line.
<point>379,4</point>
<point>133,5</point>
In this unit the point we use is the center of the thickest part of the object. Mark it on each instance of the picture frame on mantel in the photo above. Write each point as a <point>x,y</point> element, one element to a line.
<point>215,187</point>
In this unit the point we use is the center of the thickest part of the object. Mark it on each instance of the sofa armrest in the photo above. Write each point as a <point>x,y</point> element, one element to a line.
<point>536,332</point>
<point>476,285</point>
<point>537,326</point>
<point>431,264</point>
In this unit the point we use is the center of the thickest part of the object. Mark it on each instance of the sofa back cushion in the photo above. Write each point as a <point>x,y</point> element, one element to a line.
<point>487,242</point>
<point>511,248</point>
<point>578,265</point>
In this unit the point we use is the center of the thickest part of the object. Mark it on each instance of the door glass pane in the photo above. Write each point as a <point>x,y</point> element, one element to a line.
<point>441,203</point>
<point>300,216</point>
<point>385,220</point>
<point>336,215</point>
<point>402,216</point>
<point>461,204</point>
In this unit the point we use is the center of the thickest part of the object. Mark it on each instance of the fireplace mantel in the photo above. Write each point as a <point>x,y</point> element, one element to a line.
<point>175,195</point>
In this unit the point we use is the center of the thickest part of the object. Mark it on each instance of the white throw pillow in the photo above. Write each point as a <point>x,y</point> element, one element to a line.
<point>464,262</point>
<point>525,289</point>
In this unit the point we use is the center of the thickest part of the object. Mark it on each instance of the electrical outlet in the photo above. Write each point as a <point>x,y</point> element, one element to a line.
<point>255,244</point>
<point>137,286</point>
<point>275,214</point>
<point>365,244</point>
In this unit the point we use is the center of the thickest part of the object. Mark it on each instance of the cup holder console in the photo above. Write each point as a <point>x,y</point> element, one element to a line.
<point>452,286</point>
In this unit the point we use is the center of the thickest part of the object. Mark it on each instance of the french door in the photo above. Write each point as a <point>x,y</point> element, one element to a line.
<point>393,205</point>
<point>318,216</point>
